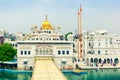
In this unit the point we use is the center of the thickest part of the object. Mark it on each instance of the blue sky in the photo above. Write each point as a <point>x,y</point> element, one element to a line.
<point>20,15</point>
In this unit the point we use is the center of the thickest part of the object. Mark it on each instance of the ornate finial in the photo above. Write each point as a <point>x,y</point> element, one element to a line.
<point>46,17</point>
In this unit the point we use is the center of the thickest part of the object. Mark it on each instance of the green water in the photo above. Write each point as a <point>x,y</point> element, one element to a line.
<point>107,74</point>
<point>15,76</point>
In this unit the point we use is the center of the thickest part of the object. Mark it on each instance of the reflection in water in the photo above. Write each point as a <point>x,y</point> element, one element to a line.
<point>102,74</point>
<point>15,76</point>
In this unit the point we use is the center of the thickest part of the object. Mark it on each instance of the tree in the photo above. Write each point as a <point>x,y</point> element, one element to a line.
<point>7,52</point>
<point>66,35</point>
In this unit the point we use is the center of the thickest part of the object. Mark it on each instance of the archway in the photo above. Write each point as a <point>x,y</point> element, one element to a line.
<point>116,61</point>
<point>100,60</point>
<point>111,61</point>
<point>95,60</point>
<point>104,61</point>
<point>108,60</point>
<point>91,60</point>
<point>87,60</point>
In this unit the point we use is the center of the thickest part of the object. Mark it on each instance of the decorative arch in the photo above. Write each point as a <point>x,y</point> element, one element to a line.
<point>44,50</point>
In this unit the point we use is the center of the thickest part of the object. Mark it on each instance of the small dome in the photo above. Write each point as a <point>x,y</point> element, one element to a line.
<point>34,27</point>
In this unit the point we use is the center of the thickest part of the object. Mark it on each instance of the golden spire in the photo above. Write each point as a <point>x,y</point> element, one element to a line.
<point>46,17</point>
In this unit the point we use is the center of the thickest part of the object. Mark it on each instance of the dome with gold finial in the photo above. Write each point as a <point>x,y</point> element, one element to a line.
<point>46,25</point>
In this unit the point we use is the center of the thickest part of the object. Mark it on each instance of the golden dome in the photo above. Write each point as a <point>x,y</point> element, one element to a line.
<point>46,25</point>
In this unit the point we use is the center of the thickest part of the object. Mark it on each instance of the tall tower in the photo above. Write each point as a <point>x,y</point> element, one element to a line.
<point>80,32</point>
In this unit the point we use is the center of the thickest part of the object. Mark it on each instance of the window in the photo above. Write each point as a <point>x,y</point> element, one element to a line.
<point>33,38</point>
<point>16,45</point>
<point>110,40</point>
<point>49,32</point>
<point>21,52</point>
<point>36,38</point>
<point>25,52</point>
<point>99,44</point>
<point>63,62</point>
<point>73,45</point>
<point>13,45</point>
<point>106,43</point>
<point>58,52</point>
<point>89,43</point>
<point>63,52</point>
<point>106,50</point>
<point>25,62</point>
<point>28,52</point>
<point>67,52</point>
<point>98,51</point>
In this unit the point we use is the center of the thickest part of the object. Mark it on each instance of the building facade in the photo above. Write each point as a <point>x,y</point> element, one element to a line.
<point>42,42</point>
<point>101,48</point>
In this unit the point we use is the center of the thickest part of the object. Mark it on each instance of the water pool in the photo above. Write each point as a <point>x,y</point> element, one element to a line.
<point>106,74</point>
<point>15,75</point>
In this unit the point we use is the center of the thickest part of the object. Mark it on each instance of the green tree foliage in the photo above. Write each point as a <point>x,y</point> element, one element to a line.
<point>66,35</point>
<point>7,52</point>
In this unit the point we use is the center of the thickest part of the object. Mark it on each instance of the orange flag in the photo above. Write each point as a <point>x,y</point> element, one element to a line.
<point>79,10</point>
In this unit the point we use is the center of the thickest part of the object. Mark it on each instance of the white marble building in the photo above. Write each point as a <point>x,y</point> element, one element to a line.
<point>44,41</point>
<point>99,47</point>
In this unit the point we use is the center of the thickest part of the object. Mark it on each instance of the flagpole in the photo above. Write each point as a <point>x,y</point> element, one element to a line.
<point>80,32</point>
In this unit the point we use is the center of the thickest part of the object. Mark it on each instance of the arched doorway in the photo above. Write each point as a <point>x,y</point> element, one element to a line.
<point>95,60</point>
<point>91,60</point>
<point>100,60</point>
<point>87,60</point>
<point>116,61</point>
<point>104,61</point>
<point>111,61</point>
<point>108,60</point>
